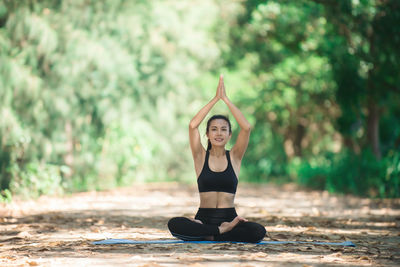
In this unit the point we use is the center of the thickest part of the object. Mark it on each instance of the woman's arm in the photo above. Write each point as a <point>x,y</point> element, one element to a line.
<point>194,135</point>
<point>242,140</point>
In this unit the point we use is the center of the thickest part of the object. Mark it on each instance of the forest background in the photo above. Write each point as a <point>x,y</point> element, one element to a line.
<point>98,94</point>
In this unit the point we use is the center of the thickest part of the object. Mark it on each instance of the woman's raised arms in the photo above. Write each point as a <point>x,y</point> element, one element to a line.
<point>242,140</point>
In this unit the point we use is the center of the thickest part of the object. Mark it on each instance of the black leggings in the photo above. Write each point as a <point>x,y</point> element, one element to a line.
<point>188,230</point>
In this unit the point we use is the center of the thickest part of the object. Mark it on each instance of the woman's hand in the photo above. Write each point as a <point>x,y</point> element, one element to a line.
<point>223,95</point>
<point>218,95</point>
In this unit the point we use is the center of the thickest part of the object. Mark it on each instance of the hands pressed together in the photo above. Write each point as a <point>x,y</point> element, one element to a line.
<point>221,93</point>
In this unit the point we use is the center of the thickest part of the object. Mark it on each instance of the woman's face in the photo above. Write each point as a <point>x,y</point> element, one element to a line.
<point>218,132</point>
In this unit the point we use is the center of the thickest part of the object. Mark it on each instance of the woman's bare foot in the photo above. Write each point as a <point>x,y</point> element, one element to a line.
<point>227,226</point>
<point>198,221</point>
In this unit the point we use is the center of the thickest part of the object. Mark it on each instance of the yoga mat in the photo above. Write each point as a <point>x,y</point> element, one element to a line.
<point>174,241</point>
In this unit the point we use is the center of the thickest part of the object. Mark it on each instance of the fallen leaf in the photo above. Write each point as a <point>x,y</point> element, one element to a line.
<point>303,249</point>
<point>95,229</point>
<point>187,258</point>
<point>24,235</point>
<point>8,257</point>
<point>55,244</point>
<point>279,236</point>
<point>32,263</point>
<point>255,256</point>
<point>264,212</point>
<point>332,237</point>
<point>310,228</point>
<point>100,222</point>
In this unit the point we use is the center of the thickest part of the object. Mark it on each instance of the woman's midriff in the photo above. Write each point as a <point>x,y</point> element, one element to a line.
<point>217,200</point>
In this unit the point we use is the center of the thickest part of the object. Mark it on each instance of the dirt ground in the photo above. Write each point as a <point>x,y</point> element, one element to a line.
<point>58,231</point>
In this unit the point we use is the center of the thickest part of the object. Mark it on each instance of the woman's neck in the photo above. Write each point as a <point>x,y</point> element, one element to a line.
<point>217,151</point>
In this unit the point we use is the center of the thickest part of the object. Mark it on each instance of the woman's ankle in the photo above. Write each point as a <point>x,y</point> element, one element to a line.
<point>209,238</point>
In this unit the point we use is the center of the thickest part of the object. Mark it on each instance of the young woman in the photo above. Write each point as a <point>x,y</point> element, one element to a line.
<point>217,170</point>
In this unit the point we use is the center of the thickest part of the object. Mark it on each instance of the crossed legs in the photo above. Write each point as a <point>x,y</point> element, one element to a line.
<point>236,230</point>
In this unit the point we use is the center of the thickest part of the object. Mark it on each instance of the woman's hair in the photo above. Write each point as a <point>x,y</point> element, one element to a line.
<point>215,117</point>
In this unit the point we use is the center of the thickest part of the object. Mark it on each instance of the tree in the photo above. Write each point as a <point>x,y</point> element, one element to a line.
<point>292,93</point>
<point>324,79</point>
<point>366,63</point>
<point>96,94</point>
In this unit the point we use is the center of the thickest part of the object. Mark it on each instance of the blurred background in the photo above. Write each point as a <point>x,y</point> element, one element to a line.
<point>96,94</point>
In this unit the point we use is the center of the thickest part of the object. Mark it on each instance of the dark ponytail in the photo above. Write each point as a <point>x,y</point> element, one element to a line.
<point>208,145</point>
<point>215,117</point>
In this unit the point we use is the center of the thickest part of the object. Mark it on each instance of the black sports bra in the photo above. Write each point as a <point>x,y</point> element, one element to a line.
<point>225,181</point>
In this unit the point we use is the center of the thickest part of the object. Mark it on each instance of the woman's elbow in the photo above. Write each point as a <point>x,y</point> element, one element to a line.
<point>247,127</point>
<point>192,125</point>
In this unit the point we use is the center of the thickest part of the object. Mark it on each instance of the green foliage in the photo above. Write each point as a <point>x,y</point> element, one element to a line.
<point>98,94</point>
<point>289,90</point>
<point>365,68</point>
<point>312,174</point>
<point>5,196</point>
<point>324,96</point>
<point>36,179</point>
<point>349,173</point>
<point>95,94</point>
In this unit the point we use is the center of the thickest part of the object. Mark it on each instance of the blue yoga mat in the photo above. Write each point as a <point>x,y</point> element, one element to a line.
<point>174,241</point>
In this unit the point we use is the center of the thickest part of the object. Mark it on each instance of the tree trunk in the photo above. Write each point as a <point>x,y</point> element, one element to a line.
<point>69,155</point>
<point>373,109</point>
<point>298,138</point>
<point>373,128</point>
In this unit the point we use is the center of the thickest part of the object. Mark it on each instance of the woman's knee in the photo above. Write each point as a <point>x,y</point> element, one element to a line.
<point>174,224</point>
<point>257,233</point>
